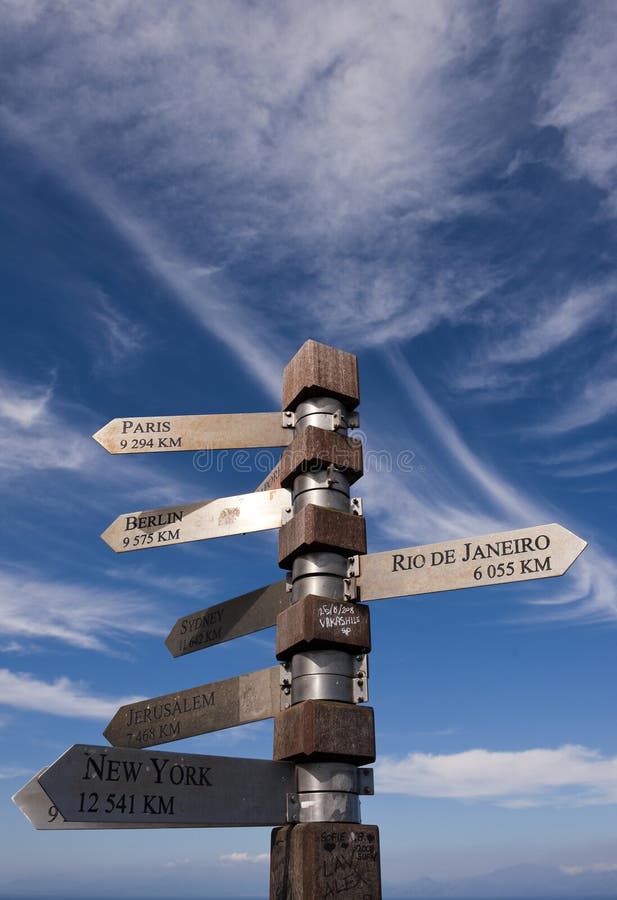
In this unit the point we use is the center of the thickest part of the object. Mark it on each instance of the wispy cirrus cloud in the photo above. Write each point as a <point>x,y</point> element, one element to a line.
<point>78,615</point>
<point>361,131</point>
<point>31,435</point>
<point>596,401</point>
<point>579,98</point>
<point>570,775</point>
<point>466,494</point>
<point>515,365</point>
<point>118,338</point>
<point>557,322</point>
<point>62,697</point>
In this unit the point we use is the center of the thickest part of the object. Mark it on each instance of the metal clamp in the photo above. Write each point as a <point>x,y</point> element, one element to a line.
<point>325,412</point>
<point>329,675</point>
<point>288,420</point>
<point>319,573</point>
<point>326,806</point>
<point>334,776</point>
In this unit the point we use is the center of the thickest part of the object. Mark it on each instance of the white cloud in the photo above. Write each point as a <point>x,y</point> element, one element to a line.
<point>584,471</point>
<point>588,595</point>
<point>31,434</point>
<point>13,772</point>
<point>144,576</point>
<point>556,323</point>
<point>61,697</point>
<point>79,615</point>
<point>240,857</point>
<point>22,405</point>
<point>596,401</point>
<point>337,134</point>
<point>590,867</point>
<point>117,337</point>
<point>579,99</point>
<point>567,775</point>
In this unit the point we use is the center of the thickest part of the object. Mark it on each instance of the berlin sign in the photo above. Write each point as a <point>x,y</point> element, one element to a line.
<point>197,521</point>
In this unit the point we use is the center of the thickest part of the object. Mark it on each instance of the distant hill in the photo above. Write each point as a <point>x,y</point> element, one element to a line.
<point>524,882</point>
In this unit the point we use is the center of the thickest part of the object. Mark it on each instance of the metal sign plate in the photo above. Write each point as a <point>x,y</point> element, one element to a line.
<point>272,481</point>
<point>543,551</point>
<point>197,521</point>
<point>44,816</point>
<point>156,434</point>
<point>116,785</point>
<point>199,710</point>
<point>231,619</point>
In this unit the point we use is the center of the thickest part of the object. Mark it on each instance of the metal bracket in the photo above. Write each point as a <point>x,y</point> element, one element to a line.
<point>350,590</point>
<point>360,666</point>
<point>353,567</point>
<point>366,781</point>
<point>288,582</point>
<point>285,682</point>
<point>355,506</point>
<point>345,420</point>
<point>360,679</point>
<point>289,420</point>
<point>286,515</point>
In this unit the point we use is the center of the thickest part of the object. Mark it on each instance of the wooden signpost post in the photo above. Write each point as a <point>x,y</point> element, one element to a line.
<point>323,737</point>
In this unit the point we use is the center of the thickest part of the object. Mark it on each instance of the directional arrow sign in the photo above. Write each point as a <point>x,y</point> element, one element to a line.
<point>540,552</point>
<point>197,521</point>
<point>230,619</point>
<point>155,434</point>
<point>37,807</point>
<point>137,787</point>
<point>44,816</point>
<point>199,710</point>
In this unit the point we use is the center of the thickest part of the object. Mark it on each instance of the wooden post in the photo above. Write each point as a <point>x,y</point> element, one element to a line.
<point>323,636</point>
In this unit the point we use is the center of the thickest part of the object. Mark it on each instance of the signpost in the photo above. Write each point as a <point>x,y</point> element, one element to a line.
<point>231,619</point>
<point>197,521</point>
<point>110,785</point>
<point>156,434</point>
<point>322,735</point>
<point>543,551</point>
<point>199,710</point>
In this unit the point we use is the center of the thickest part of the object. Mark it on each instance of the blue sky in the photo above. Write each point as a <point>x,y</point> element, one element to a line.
<point>188,192</point>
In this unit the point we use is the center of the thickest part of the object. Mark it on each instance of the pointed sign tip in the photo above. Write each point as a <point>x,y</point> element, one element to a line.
<point>103,536</point>
<point>98,437</point>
